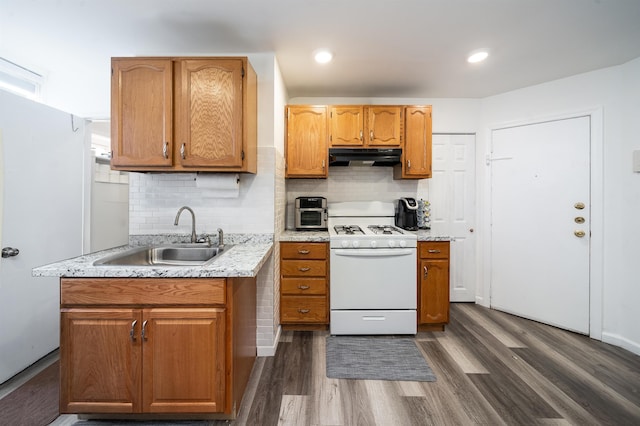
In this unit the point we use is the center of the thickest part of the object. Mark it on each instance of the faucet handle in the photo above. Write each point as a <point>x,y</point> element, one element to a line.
<point>205,239</point>
<point>220,238</point>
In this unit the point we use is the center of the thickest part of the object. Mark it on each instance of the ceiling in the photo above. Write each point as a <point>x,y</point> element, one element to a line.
<point>383,48</point>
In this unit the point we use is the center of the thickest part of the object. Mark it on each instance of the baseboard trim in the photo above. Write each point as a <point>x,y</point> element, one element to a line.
<point>623,342</point>
<point>270,350</point>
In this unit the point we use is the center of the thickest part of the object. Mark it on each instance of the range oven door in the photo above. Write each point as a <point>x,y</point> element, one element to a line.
<point>373,291</point>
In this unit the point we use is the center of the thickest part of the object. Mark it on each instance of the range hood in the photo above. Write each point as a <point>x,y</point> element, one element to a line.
<point>364,156</point>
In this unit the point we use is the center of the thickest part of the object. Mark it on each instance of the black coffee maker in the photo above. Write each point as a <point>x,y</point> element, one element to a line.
<point>407,214</point>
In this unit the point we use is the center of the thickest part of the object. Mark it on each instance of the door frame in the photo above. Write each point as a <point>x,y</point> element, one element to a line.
<point>596,193</point>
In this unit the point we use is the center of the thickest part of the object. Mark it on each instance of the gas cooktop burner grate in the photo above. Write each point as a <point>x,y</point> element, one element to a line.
<point>385,230</point>
<point>348,229</point>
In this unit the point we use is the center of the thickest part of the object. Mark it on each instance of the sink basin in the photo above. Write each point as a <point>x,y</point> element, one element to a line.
<point>175,254</point>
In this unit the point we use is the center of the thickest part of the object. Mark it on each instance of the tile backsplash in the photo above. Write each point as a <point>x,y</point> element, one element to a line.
<point>355,183</point>
<point>154,200</point>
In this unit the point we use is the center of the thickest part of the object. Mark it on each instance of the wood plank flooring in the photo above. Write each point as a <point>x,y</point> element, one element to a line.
<point>492,369</point>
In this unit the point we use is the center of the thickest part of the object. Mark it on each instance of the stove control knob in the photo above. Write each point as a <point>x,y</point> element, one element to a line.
<point>403,243</point>
<point>355,244</point>
<point>392,243</point>
<point>373,244</point>
<point>345,244</point>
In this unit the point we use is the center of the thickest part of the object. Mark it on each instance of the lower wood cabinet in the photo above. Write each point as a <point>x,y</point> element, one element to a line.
<point>156,345</point>
<point>304,272</point>
<point>433,284</point>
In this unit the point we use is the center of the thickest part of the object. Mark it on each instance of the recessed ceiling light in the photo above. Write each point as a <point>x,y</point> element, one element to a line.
<point>478,56</point>
<point>323,56</point>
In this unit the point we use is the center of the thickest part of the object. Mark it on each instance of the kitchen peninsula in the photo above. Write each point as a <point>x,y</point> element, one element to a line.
<point>158,341</point>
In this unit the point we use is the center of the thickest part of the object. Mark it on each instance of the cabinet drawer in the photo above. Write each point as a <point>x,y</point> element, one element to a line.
<point>304,268</point>
<point>304,286</point>
<point>434,250</point>
<point>303,250</point>
<point>142,291</point>
<point>303,309</point>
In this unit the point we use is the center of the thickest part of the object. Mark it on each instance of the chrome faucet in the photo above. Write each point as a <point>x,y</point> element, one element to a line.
<point>193,222</point>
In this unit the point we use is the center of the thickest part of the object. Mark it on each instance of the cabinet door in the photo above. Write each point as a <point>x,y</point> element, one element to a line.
<point>384,126</point>
<point>417,144</point>
<point>100,354</point>
<point>433,305</point>
<point>184,360</point>
<point>347,126</point>
<point>209,112</point>
<point>306,144</point>
<point>141,113</point>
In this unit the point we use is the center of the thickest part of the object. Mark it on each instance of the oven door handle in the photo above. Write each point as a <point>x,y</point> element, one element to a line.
<point>374,252</point>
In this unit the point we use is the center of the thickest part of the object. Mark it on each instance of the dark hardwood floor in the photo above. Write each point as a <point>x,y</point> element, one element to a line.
<point>492,369</point>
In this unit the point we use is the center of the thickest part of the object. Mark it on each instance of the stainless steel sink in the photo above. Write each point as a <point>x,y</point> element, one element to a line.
<point>174,254</point>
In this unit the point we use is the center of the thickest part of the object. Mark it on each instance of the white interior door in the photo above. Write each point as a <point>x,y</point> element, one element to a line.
<point>539,261</point>
<point>42,174</point>
<point>452,197</point>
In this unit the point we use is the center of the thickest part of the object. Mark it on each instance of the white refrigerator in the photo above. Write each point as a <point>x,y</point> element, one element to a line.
<point>42,162</point>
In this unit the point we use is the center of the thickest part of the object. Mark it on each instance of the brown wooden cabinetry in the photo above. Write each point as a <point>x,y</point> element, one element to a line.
<point>304,276</point>
<point>433,284</point>
<point>416,153</point>
<point>306,141</point>
<point>141,345</point>
<point>183,114</point>
<point>366,126</point>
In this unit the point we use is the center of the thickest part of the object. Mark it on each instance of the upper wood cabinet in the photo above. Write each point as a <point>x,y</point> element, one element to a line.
<point>184,114</point>
<point>141,113</point>
<point>366,126</point>
<point>416,153</point>
<point>306,150</point>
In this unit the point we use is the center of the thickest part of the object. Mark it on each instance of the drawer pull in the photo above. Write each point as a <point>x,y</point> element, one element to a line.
<point>303,311</point>
<point>434,251</point>
<point>303,287</point>
<point>305,269</point>
<point>301,251</point>
<point>132,332</point>
<point>144,330</point>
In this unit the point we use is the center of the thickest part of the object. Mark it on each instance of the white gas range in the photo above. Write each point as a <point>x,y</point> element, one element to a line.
<point>373,270</point>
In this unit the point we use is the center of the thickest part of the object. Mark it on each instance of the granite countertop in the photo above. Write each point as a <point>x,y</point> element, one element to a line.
<point>323,236</point>
<point>243,257</point>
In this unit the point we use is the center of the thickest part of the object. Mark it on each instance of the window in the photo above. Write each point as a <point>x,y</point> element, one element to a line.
<point>20,80</point>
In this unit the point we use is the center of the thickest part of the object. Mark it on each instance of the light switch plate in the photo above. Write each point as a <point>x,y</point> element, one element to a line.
<point>636,161</point>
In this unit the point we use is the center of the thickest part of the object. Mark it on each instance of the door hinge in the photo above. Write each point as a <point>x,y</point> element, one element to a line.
<point>242,73</point>
<point>242,154</point>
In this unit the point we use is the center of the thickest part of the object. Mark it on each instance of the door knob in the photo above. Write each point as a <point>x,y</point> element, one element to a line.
<point>9,252</point>
<point>579,233</point>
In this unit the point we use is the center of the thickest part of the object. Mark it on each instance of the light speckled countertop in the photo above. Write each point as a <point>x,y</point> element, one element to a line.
<point>323,236</point>
<point>244,258</point>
